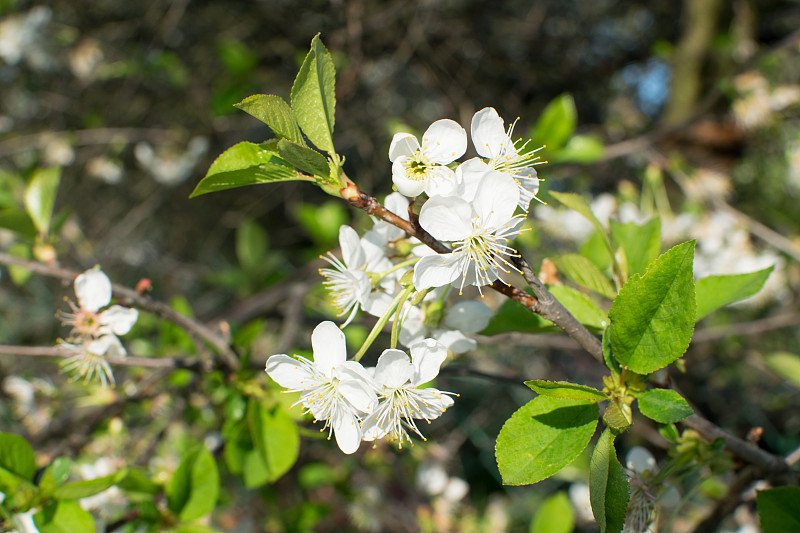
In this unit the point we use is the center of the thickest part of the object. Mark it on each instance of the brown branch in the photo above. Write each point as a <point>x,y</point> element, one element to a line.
<point>130,297</point>
<point>191,363</point>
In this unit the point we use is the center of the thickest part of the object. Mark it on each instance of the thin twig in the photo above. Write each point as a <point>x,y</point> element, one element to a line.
<point>132,298</point>
<point>191,363</point>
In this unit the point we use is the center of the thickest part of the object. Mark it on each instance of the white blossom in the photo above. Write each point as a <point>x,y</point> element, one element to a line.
<point>401,401</point>
<point>417,169</point>
<point>331,388</point>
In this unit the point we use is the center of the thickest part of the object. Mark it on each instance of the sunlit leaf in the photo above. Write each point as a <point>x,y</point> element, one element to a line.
<point>608,485</point>
<point>274,112</point>
<point>664,405</point>
<point>714,292</point>
<point>313,98</point>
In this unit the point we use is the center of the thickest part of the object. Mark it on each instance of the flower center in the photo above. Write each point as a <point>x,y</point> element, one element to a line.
<point>418,167</point>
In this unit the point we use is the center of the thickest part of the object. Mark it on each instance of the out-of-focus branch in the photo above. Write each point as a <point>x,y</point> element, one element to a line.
<point>191,363</point>
<point>132,298</point>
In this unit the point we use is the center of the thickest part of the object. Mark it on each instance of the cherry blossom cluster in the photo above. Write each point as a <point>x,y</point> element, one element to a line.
<point>95,328</point>
<point>475,208</point>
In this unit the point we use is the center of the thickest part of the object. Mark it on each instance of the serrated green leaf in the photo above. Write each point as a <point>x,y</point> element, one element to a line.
<point>714,292</point>
<point>275,436</point>
<point>274,112</point>
<point>246,164</point>
<point>194,487</point>
<point>554,516</point>
<point>653,317</point>
<point>608,357</point>
<point>64,517</point>
<point>565,389</point>
<point>305,159</point>
<point>585,273</point>
<point>785,364</point>
<point>664,405</point>
<point>16,456</point>
<point>778,509</point>
<point>313,96</point>
<point>87,487</point>
<point>542,437</point>
<point>608,486</point>
<point>556,123</point>
<point>40,197</point>
<point>641,243</point>
<point>578,204</point>
<point>513,316</point>
<point>580,306</point>
<point>618,415</point>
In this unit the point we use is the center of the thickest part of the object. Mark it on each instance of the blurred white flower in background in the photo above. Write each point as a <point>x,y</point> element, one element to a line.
<point>21,38</point>
<point>170,167</point>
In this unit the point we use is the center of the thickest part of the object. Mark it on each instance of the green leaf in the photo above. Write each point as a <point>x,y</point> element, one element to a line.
<point>313,96</point>
<point>274,112</point>
<point>255,471</point>
<point>556,123</point>
<point>608,357</point>
<point>542,437</point>
<point>581,206</point>
<point>40,197</point>
<point>653,317</point>
<point>778,509</point>
<point>275,436</point>
<point>714,292</point>
<point>554,516</point>
<point>16,456</point>
<point>582,149</point>
<point>194,487</point>
<point>246,164</point>
<point>18,221</point>
<point>641,243</point>
<point>64,517</point>
<point>608,485</point>
<point>664,405</point>
<point>305,159</point>
<point>618,415</point>
<point>251,245</point>
<point>136,481</point>
<point>195,528</point>
<point>513,316</point>
<point>88,487</point>
<point>564,389</point>
<point>786,365</point>
<point>581,306</point>
<point>56,473</point>
<point>585,273</point>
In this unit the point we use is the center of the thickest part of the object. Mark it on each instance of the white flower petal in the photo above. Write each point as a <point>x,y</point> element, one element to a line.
<point>455,341</point>
<point>397,204</point>
<point>437,270</point>
<point>359,394</point>
<point>371,430</point>
<point>352,254</point>
<point>442,182</point>
<point>639,459</point>
<point>447,218</point>
<point>495,200</point>
<point>327,341</point>
<point>107,345</point>
<point>469,316</point>
<point>427,356</point>
<point>93,289</point>
<point>289,373</point>
<point>347,431</point>
<point>488,134</point>
<point>393,369</point>
<point>444,141</point>
<point>434,403</point>
<point>403,144</point>
<point>119,319</point>
<point>405,185</point>
<point>469,175</point>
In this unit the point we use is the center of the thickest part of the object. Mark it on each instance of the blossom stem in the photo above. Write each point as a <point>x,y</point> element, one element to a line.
<point>395,268</point>
<point>398,301</point>
<point>398,320</point>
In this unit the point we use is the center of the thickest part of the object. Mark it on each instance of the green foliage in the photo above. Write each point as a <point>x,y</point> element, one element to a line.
<point>40,197</point>
<point>714,292</point>
<point>641,243</point>
<point>585,273</point>
<point>246,164</point>
<point>275,437</point>
<point>786,365</point>
<point>608,485</point>
<point>16,456</point>
<point>192,492</point>
<point>542,437</point>
<point>580,205</point>
<point>305,159</point>
<point>313,96</point>
<point>322,222</point>
<point>64,517</point>
<point>554,516</point>
<point>778,509</point>
<point>582,149</point>
<point>274,112</point>
<point>580,306</point>
<point>87,487</point>
<point>564,389</point>
<point>556,123</point>
<point>513,316</point>
<point>653,317</point>
<point>251,245</point>
<point>664,405</point>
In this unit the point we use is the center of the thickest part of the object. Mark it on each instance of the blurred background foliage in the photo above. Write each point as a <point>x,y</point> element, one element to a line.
<point>688,111</point>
